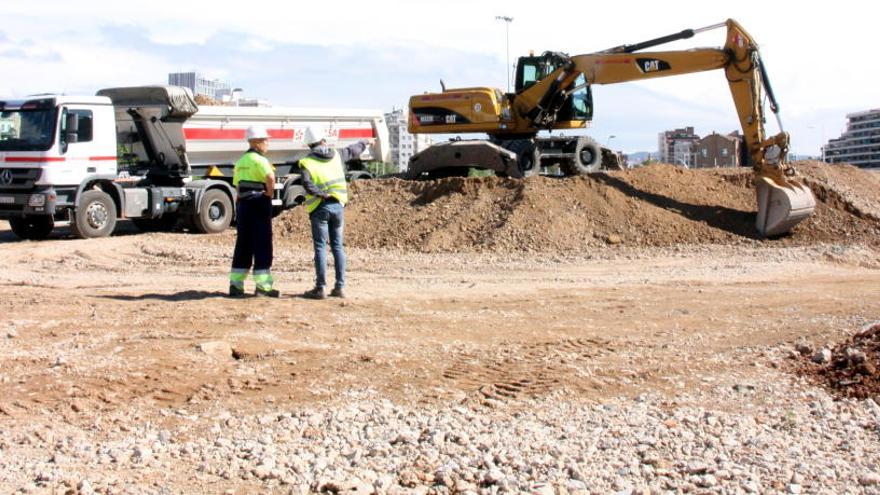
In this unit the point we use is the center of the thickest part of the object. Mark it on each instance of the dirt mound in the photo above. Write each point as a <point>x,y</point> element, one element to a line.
<point>851,369</point>
<point>658,205</point>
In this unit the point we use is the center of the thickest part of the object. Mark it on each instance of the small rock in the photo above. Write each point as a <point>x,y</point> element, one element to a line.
<point>822,356</point>
<point>855,356</point>
<point>85,487</point>
<point>707,481</point>
<point>542,489</point>
<point>142,454</point>
<point>697,467</point>
<point>803,348</point>
<point>494,476</point>
<point>869,479</point>
<point>217,348</point>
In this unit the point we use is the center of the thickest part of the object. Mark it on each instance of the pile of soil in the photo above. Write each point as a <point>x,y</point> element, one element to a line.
<point>657,205</point>
<point>853,369</point>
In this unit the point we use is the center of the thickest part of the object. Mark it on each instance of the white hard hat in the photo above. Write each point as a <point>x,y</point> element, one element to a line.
<point>314,135</point>
<point>254,132</point>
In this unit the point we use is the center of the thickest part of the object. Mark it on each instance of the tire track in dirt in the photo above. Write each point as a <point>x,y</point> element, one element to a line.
<point>514,371</point>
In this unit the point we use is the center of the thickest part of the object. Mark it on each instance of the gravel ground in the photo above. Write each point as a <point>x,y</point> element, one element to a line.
<point>774,436</point>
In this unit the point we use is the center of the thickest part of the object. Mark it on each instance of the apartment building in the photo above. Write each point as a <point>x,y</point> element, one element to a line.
<point>860,143</point>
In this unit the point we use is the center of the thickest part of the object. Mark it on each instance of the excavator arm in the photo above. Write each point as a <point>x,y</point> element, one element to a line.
<point>783,201</point>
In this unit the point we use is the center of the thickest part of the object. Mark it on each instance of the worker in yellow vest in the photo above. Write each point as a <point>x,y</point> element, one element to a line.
<point>323,177</point>
<point>254,180</point>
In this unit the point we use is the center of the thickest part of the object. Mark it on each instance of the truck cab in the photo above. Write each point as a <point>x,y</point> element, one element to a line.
<point>49,145</point>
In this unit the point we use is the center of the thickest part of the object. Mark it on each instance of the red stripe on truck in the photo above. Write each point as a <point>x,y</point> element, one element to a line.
<point>32,159</point>
<point>355,133</point>
<point>280,133</point>
<point>101,158</point>
<point>193,133</point>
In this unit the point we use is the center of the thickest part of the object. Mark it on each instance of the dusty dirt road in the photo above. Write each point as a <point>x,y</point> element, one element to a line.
<point>102,337</point>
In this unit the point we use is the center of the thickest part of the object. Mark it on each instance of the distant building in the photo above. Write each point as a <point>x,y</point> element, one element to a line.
<point>678,147</point>
<point>860,144</point>
<point>200,85</point>
<point>718,150</point>
<point>403,144</point>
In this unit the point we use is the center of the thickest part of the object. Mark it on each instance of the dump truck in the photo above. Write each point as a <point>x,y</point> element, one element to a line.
<point>552,92</point>
<point>150,154</point>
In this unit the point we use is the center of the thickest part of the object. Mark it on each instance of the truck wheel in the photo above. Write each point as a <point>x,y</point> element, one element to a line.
<point>215,213</point>
<point>35,228</point>
<point>587,157</point>
<point>162,224</point>
<point>359,175</point>
<point>95,216</point>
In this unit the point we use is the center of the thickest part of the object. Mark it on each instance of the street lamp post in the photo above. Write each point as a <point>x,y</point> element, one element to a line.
<point>507,20</point>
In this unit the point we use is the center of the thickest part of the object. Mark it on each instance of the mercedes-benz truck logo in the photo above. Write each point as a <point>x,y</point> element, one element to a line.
<point>6,177</point>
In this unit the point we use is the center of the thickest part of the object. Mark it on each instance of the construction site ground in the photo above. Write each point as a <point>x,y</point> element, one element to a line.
<point>123,368</point>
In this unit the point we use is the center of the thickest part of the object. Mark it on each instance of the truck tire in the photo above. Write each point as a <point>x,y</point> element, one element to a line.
<point>95,216</point>
<point>359,175</point>
<point>587,157</point>
<point>35,228</point>
<point>215,213</point>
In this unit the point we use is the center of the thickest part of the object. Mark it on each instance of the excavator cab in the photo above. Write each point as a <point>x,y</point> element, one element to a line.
<point>578,105</point>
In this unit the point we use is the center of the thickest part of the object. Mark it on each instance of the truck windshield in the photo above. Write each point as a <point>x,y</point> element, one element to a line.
<point>27,130</point>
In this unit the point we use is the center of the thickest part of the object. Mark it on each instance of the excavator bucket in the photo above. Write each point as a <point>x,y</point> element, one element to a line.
<point>780,208</point>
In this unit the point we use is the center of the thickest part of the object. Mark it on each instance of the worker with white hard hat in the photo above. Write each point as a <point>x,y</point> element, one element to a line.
<point>254,180</point>
<point>323,177</point>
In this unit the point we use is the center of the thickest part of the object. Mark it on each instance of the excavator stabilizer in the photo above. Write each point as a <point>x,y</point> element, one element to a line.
<point>780,208</point>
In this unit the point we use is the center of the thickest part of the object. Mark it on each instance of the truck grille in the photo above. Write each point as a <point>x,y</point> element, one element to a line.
<point>14,180</point>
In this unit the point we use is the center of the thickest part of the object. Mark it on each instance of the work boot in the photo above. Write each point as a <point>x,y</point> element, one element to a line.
<point>337,292</point>
<point>266,292</point>
<point>316,293</point>
<point>236,291</point>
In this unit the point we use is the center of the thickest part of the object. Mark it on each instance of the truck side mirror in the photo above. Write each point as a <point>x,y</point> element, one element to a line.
<point>71,131</point>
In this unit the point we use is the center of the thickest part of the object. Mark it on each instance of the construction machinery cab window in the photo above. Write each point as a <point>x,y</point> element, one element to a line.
<point>580,103</point>
<point>530,70</point>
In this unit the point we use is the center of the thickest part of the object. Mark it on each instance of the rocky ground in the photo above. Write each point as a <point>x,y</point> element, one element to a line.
<point>659,349</point>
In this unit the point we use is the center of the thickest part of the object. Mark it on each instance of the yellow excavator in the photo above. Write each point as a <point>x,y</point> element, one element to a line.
<point>552,92</point>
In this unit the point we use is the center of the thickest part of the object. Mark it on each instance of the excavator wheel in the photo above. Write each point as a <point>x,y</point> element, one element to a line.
<point>528,159</point>
<point>587,158</point>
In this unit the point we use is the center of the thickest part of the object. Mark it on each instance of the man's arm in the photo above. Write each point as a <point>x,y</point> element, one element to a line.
<point>270,185</point>
<point>310,186</point>
<point>355,150</point>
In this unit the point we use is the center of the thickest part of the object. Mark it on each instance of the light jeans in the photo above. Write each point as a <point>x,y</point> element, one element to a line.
<point>328,222</point>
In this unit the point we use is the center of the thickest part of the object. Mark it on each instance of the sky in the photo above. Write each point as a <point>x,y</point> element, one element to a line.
<point>376,54</point>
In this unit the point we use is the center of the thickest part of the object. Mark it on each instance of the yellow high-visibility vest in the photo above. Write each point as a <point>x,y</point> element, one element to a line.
<point>328,176</point>
<point>251,167</point>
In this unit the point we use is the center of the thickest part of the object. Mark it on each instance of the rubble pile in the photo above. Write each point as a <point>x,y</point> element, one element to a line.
<point>657,205</point>
<point>851,369</point>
